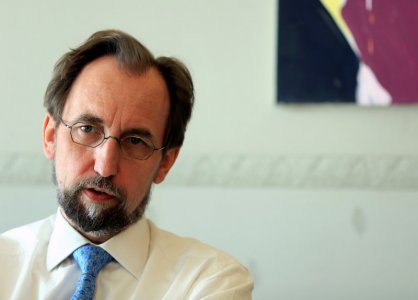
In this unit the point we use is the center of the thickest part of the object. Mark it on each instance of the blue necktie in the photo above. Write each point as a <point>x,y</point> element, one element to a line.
<point>91,259</point>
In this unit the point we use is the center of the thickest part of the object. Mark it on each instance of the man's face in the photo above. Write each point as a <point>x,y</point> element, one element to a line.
<point>102,183</point>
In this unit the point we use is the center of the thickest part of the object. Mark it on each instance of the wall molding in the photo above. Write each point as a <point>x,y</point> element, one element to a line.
<point>286,171</point>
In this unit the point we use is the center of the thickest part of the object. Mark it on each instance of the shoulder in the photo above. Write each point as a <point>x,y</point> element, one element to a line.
<point>20,249</point>
<point>165,241</point>
<point>208,270</point>
<point>26,237</point>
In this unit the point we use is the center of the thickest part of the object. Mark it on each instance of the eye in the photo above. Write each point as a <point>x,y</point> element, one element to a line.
<point>83,129</point>
<point>86,128</point>
<point>134,140</point>
<point>87,134</point>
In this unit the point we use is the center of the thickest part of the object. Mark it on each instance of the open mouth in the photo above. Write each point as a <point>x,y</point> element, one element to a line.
<point>92,190</point>
<point>99,195</point>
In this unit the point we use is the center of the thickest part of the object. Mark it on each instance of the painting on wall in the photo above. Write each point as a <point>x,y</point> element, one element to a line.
<point>348,51</point>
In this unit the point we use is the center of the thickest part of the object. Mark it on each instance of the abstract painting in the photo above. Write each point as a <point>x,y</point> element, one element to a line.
<point>348,51</point>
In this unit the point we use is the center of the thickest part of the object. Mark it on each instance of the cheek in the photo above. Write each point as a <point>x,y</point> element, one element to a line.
<point>136,182</point>
<point>71,164</point>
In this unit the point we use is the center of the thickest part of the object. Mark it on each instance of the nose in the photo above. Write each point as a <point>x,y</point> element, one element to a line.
<point>107,155</point>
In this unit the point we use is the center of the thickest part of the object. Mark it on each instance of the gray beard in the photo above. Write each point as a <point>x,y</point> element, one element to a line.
<point>99,219</point>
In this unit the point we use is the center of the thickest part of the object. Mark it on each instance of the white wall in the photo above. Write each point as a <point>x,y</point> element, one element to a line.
<point>230,48</point>
<point>317,200</point>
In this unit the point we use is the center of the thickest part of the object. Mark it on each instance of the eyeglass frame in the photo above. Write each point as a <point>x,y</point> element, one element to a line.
<point>149,143</point>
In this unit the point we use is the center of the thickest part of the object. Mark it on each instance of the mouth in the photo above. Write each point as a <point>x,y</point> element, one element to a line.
<point>96,194</point>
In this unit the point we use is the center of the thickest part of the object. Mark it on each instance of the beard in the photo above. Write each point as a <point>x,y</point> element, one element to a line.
<point>99,219</point>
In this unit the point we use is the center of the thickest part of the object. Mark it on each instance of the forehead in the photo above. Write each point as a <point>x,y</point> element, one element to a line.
<point>118,97</point>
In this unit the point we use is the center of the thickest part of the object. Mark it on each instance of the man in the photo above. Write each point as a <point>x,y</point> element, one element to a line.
<point>115,123</point>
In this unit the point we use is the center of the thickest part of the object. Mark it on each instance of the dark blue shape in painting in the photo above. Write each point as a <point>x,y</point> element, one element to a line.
<point>315,61</point>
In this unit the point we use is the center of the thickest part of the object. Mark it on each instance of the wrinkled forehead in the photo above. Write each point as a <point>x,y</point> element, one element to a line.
<point>119,97</point>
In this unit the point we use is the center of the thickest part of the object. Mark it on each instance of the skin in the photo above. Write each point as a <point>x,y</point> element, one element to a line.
<point>122,102</point>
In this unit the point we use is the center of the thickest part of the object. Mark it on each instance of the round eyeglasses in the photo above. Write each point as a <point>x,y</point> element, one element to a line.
<point>90,135</point>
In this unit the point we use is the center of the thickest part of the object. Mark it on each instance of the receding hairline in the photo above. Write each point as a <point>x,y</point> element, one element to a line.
<point>134,58</point>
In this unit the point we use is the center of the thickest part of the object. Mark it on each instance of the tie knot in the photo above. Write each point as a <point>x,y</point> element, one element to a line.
<point>91,259</point>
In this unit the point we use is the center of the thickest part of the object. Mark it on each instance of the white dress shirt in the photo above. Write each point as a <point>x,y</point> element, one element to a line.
<point>36,263</point>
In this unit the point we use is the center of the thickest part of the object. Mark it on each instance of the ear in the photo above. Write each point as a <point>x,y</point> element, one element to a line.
<point>48,134</point>
<point>165,165</point>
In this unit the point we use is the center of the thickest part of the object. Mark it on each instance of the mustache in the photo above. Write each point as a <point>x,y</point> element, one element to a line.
<point>102,184</point>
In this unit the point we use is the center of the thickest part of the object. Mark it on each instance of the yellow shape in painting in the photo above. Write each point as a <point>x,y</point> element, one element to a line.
<point>334,8</point>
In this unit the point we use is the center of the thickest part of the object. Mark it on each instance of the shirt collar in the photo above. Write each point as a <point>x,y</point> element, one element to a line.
<point>64,240</point>
<point>129,248</point>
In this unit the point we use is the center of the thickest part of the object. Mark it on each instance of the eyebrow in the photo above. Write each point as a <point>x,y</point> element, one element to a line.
<point>89,118</point>
<point>138,131</point>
